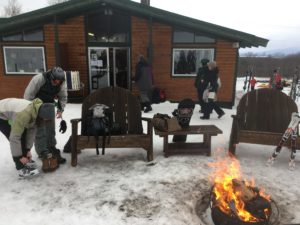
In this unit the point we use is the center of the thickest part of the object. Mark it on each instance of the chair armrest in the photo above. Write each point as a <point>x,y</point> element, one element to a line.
<point>147,119</point>
<point>235,117</point>
<point>149,124</point>
<point>74,123</point>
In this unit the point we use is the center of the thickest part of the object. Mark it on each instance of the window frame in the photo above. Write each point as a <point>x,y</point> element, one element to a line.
<point>176,51</point>
<point>23,47</point>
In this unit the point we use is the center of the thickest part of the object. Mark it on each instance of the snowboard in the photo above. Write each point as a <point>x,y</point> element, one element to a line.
<point>183,113</point>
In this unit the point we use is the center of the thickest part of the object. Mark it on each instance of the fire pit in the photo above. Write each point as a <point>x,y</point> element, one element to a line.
<point>234,201</point>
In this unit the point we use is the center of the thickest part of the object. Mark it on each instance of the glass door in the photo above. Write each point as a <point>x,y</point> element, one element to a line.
<point>98,67</point>
<point>121,68</point>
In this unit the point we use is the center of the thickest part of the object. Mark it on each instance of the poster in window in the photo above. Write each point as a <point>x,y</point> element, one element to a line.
<point>186,61</point>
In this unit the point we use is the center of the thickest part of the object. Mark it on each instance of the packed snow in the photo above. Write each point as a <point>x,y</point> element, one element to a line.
<point>121,187</point>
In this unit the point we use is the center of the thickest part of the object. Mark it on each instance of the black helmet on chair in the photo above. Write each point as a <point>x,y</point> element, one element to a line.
<point>57,73</point>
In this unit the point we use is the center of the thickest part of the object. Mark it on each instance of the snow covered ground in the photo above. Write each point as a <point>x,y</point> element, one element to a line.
<point>122,188</point>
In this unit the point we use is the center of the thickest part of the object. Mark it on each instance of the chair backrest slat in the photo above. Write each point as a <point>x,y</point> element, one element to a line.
<point>125,107</point>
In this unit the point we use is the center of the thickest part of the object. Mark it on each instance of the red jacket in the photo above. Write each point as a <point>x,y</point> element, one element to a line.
<point>252,82</point>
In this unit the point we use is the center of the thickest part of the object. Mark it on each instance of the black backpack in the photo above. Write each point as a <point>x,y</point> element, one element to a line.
<point>99,123</point>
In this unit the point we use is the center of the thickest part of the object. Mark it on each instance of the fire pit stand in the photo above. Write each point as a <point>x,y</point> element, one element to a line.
<point>221,218</point>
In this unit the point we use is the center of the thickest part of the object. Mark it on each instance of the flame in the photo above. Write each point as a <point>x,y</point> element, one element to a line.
<point>227,198</point>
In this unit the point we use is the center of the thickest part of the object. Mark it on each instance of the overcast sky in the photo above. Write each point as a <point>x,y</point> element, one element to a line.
<point>278,21</point>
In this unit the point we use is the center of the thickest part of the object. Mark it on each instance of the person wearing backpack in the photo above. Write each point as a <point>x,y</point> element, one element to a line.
<point>48,86</point>
<point>18,121</point>
<point>143,78</point>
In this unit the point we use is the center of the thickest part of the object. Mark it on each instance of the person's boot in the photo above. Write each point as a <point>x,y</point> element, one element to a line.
<point>49,162</point>
<point>56,153</point>
<point>148,107</point>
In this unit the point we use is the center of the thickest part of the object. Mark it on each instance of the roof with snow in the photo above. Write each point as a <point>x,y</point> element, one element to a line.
<point>77,7</point>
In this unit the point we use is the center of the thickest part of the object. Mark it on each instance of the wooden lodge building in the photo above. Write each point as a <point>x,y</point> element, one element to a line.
<point>102,39</point>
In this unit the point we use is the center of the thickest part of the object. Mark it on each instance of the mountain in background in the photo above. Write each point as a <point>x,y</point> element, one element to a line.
<point>274,52</point>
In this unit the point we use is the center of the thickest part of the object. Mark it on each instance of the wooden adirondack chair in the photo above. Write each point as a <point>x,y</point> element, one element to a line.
<point>126,111</point>
<point>262,117</point>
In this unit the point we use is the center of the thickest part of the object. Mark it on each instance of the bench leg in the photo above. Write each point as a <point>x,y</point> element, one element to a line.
<point>150,154</point>
<point>207,143</point>
<point>74,151</point>
<point>166,147</point>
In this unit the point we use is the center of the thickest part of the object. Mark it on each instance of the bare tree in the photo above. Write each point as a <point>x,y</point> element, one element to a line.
<point>12,8</point>
<point>53,2</point>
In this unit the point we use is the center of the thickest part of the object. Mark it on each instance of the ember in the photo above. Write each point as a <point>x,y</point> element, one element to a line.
<point>236,199</point>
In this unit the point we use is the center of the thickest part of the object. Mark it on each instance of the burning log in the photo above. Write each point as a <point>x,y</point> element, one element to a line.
<point>244,192</point>
<point>255,204</point>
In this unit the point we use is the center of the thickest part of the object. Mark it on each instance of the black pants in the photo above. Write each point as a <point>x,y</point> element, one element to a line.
<point>210,106</point>
<point>5,129</point>
<point>200,91</point>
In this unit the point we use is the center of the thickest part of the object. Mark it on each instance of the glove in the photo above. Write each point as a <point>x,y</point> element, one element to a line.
<point>62,126</point>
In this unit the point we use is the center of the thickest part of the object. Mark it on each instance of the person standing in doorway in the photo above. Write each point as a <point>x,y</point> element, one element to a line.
<point>48,86</point>
<point>143,78</point>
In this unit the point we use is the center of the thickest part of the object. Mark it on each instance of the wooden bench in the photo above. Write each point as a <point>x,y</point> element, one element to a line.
<point>126,112</point>
<point>262,117</point>
<point>189,147</point>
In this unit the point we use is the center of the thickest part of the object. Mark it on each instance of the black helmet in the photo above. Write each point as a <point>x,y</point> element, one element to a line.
<point>204,61</point>
<point>57,73</point>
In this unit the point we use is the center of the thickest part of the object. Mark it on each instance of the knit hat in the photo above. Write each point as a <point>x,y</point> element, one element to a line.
<point>204,61</point>
<point>47,111</point>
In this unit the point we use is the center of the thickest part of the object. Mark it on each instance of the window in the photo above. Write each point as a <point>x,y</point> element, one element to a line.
<point>108,25</point>
<point>186,61</point>
<point>35,34</point>
<point>24,60</point>
<point>13,37</point>
<point>180,36</point>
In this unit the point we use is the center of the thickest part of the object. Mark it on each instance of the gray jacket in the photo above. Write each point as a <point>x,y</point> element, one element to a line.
<point>21,115</point>
<point>37,82</point>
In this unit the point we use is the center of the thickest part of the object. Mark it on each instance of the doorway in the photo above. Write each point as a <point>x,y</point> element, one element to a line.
<point>109,67</point>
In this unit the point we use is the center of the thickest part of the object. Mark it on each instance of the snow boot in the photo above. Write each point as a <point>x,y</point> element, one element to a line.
<point>148,107</point>
<point>49,161</point>
<point>292,164</point>
<point>27,172</point>
<point>32,164</point>
<point>56,153</point>
<point>270,161</point>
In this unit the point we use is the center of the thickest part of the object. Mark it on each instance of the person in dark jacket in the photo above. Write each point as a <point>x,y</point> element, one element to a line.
<point>201,82</point>
<point>212,87</point>
<point>143,78</point>
<point>48,86</point>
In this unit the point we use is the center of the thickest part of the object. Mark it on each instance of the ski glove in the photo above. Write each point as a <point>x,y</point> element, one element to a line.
<point>62,126</point>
